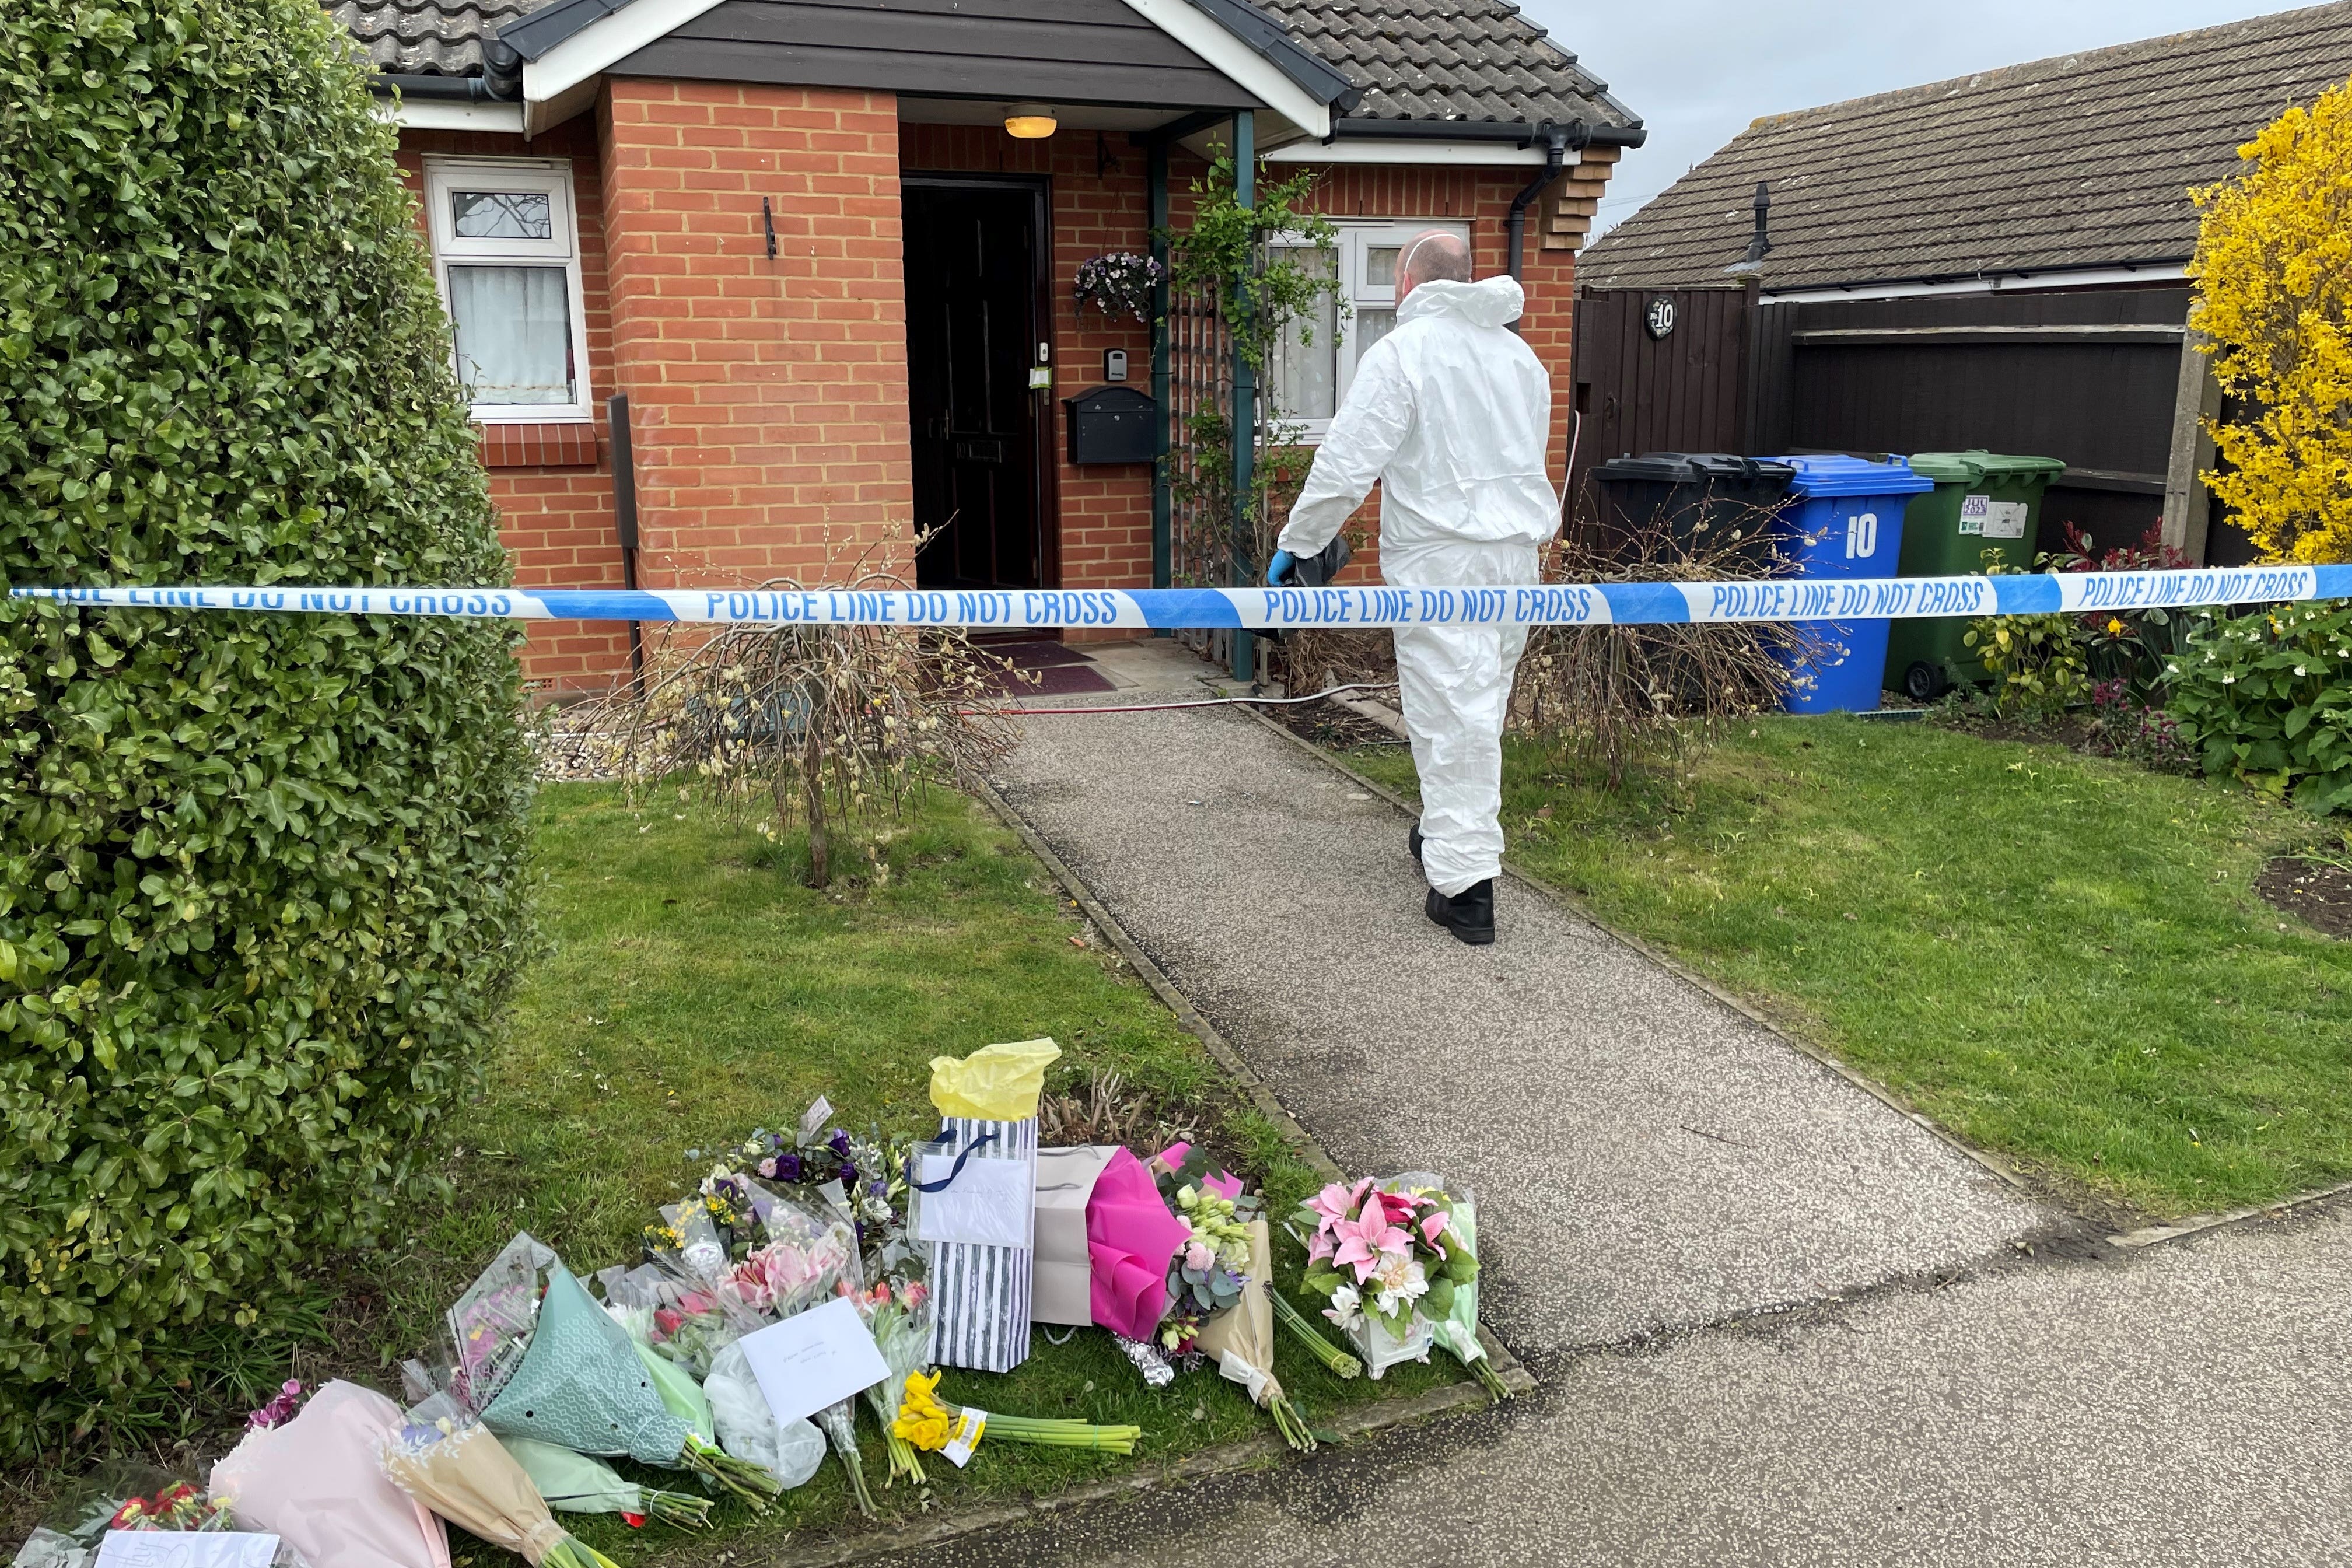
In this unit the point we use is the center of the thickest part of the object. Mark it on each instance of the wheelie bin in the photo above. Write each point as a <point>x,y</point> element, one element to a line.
<point>1984,502</point>
<point>1847,520</point>
<point>1698,499</point>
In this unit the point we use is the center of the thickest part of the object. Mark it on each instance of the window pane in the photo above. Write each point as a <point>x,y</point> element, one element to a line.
<point>1371,326</point>
<point>514,333</point>
<point>501,215</point>
<point>1305,368</point>
<point>1380,266</point>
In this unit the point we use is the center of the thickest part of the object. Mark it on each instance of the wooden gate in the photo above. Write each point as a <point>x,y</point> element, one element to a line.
<point>1660,370</point>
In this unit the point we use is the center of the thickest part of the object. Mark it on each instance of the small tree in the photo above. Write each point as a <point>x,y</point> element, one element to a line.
<point>260,876</point>
<point>2274,277</point>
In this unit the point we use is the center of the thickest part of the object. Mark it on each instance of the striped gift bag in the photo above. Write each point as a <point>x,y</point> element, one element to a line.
<point>979,1294</point>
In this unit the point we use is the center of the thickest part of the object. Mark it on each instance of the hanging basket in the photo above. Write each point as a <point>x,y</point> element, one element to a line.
<point>1119,283</point>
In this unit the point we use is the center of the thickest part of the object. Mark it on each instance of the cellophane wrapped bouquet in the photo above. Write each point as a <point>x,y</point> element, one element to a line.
<point>898,1311</point>
<point>122,1495</point>
<point>454,1465</point>
<point>1389,1263</point>
<point>1453,1315</point>
<point>802,1256</point>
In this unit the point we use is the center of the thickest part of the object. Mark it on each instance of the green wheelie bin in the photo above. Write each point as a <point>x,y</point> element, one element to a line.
<point>1982,501</point>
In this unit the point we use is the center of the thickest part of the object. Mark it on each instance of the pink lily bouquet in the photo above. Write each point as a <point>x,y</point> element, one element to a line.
<point>1389,1262</point>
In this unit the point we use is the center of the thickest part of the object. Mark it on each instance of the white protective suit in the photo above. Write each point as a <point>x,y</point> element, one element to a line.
<point>1451,413</point>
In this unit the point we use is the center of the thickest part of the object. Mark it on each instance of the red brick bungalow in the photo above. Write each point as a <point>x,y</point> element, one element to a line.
<point>811,243</point>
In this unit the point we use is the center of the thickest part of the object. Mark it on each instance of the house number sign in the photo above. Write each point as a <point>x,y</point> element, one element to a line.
<point>1661,318</point>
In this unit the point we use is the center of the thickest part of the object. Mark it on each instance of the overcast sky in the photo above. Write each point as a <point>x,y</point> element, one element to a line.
<point>1698,71</point>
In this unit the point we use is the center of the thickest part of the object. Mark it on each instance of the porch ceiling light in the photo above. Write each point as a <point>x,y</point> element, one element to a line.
<point>1030,121</point>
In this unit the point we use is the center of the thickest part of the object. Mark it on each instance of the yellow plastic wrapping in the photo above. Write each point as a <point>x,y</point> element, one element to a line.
<point>995,1083</point>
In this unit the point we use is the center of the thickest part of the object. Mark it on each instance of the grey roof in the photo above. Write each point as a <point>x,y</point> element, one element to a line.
<point>1450,59</point>
<point>2081,160</point>
<point>1413,60</point>
<point>426,37</point>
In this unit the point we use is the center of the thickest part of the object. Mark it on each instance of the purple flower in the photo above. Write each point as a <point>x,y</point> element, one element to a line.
<point>788,1167</point>
<point>848,1173</point>
<point>839,1142</point>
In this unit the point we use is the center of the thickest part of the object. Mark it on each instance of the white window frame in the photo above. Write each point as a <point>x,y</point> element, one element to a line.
<point>1358,237</point>
<point>552,175</point>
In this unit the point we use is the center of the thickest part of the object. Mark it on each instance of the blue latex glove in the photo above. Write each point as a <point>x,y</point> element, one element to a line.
<point>1277,569</point>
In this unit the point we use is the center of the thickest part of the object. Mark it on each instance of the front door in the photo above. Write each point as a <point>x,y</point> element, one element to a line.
<point>975,335</point>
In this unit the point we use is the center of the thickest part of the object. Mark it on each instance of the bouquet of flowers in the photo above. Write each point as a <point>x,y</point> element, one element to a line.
<point>1119,283</point>
<point>579,1385</point>
<point>1453,1315</point>
<point>898,1311</point>
<point>314,1482</point>
<point>1240,1339</point>
<point>1389,1262</point>
<point>862,1178</point>
<point>452,1464</point>
<point>934,1425</point>
<point>576,1483</point>
<point>119,1496</point>
<point>492,1322</point>
<point>1207,1274</point>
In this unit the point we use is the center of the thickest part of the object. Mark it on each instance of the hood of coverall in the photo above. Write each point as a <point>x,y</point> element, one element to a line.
<point>1490,302</point>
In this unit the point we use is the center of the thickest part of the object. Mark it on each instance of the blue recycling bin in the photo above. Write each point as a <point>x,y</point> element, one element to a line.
<point>1844,518</point>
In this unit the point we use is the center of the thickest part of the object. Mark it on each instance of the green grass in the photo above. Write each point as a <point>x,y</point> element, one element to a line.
<point>2057,957</point>
<point>693,990</point>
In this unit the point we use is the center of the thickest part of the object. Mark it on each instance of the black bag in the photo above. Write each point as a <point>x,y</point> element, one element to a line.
<point>1314,571</point>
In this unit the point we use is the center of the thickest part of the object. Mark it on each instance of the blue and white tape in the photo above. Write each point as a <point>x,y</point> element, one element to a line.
<point>1169,609</point>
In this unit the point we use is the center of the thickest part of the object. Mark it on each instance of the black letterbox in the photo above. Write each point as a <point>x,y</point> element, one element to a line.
<point>1112,424</point>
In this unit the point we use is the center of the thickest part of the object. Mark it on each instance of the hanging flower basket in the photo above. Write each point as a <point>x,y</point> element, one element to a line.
<point>1120,284</point>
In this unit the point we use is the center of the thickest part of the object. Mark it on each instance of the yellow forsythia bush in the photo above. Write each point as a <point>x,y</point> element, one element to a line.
<point>2273,279</point>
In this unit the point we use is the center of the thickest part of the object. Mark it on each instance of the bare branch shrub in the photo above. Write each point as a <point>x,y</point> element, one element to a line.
<point>829,727</point>
<point>1612,700</point>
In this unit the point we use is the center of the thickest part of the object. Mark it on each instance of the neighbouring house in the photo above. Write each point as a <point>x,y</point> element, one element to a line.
<point>826,249</point>
<point>1992,261</point>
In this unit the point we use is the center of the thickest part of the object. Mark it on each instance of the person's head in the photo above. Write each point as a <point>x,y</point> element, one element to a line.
<point>1430,257</point>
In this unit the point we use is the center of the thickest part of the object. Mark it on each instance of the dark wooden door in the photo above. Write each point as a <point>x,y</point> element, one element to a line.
<point>974,334</point>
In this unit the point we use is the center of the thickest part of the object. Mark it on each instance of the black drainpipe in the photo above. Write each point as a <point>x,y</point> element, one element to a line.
<point>624,521</point>
<point>1557,142</point>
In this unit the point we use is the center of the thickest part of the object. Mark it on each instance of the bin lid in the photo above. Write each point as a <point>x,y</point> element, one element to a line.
<point>1695,468</point>
<point>1837,475</point>
<point>1969,468</point>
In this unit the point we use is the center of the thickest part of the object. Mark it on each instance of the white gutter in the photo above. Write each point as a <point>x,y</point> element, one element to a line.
<point>439,115</point>
<point>1411,150</point>
<point>1997,283</point>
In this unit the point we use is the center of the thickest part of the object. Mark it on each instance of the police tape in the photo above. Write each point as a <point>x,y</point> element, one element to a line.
<point>1835,599</point>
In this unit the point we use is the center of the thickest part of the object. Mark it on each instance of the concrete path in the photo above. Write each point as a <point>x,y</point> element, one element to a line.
<point>2184,1405</point>
<point>1644,1157</point>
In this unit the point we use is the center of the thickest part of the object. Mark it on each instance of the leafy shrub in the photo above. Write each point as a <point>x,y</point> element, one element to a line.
<point>2130,646</point>
<point>2274,280</point>
<point>2122,725</point>
<point>260,887</point>
<point>2038,664</point>
<point>2266,698</point>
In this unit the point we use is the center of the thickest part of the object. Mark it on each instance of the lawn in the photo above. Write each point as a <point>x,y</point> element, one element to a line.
<point>2058,957</point>
<point>692,990</point>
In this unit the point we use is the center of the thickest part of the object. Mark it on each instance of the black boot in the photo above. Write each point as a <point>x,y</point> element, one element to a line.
<point>1469,914</point>
<point>1413,843</point>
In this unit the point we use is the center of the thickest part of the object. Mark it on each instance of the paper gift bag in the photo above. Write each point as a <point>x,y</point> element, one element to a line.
<point>975,1192</point>
<point>1064,1271</point>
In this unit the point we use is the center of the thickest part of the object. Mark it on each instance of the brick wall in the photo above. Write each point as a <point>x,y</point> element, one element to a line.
<point>769,396</point>
<point>553,483</point>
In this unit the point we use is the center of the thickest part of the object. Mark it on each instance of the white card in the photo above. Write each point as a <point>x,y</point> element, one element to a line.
<point>813,1359</point>
<point>185,1549</point>
<point>987,1204</point>
<point>814,1119</point>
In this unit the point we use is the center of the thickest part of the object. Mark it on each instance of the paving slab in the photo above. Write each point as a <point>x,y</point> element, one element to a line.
<point>2184,1405</point>
<point>1648,1157</point>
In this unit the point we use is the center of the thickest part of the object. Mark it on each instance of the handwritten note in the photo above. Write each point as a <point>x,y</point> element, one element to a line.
<point>184,1548</point>
<point>813,1359</point>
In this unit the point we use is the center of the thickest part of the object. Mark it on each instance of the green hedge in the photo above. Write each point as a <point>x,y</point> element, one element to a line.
<point>261,878</point>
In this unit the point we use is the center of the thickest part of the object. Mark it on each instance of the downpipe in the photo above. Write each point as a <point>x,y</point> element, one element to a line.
<point>1558,140</point>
